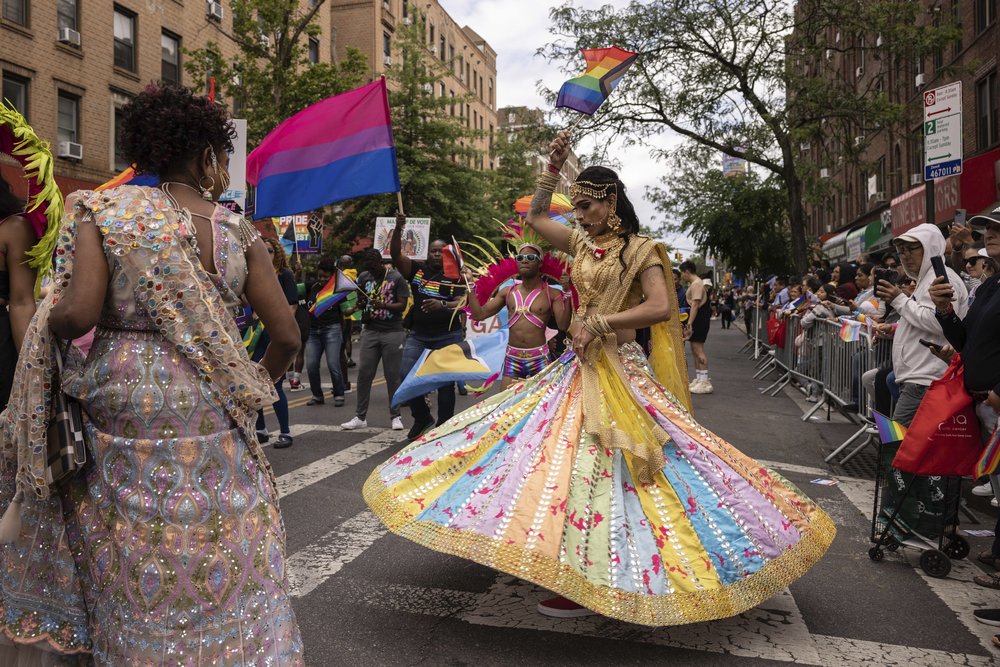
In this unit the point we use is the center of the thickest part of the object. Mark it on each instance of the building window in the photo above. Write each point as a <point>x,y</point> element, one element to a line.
<point>987,115</point>
<point>16,11</point>
<point>69,117</point>
<point>468,75</point>
<point>170,63</point>
<point>442,90</point>
<point>491,92</point>
<point>386,45</point>
<point>124,39</point>
<point>451,58</point>
<point>15,91</point>
<point>406,9</point>
<point>67,15</point>
<point>431,40</point>
<point>120,163</point>
<point>452,102</point>
<point>444,50</point>
<point>986,14</point>
<point>313,50</point>
<point>897,170</point>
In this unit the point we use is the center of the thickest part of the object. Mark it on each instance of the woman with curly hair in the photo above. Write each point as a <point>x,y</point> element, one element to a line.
<point>168,546</point>
<point>592,478</point>
<point>17,284</point>
<point>291,291</point>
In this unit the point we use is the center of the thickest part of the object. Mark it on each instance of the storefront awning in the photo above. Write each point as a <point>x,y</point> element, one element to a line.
<point>878,236</point>
<point>836,247</point>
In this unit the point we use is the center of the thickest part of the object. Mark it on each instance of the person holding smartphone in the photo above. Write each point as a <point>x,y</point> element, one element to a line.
<point>914,364</point>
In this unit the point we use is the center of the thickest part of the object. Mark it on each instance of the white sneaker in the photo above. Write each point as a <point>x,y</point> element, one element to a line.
<point>397,423</point>
<point>702,386</point>
<point>356,422</point>
<point>985,489</point>
<point>693,383</point>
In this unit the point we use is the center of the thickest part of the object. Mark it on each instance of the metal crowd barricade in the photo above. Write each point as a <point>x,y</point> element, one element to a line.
<point>786,358</point>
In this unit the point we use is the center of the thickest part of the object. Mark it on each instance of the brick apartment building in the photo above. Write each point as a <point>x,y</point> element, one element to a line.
<point>870,207</point>
<point>70,65</point>
<point>471,63</point>
<point>515,120</point>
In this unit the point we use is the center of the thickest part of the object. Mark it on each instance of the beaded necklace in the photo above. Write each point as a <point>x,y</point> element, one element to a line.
<point>595,265</point>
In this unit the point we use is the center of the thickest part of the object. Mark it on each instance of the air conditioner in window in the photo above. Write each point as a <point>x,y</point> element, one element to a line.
<point>70,149</point>
<point>879,198</point>
<point>879,41</point>
<point>824,173</point>
<point>804,147</point>
<point>69,36</point>
<point>265,42</point>
<point>918,80</point>
<point>407,20</point>
<point>434,50</point>
<point>237,80</point>
<point>916,179</point>
<point>214,10</point>
<point>829,54</point>
<point>428,88</point>
<point>859,72</point>
<point>387,60</point>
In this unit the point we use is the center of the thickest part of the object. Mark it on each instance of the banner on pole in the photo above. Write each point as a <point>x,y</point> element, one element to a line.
<point>308,231</point>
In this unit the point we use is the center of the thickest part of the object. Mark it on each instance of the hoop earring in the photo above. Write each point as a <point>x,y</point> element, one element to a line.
<point>206,192</point>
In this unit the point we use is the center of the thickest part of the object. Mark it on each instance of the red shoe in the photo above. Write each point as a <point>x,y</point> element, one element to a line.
<point>560,607</point>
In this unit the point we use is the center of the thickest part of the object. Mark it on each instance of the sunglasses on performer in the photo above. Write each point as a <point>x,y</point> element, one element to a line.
<point>530,257</point>
<point>972,260</point>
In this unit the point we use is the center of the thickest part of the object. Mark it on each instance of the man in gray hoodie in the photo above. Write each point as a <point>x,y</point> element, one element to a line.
<point>914,364</point>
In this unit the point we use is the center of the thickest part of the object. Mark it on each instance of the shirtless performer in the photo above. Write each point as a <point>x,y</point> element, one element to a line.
<point>531,302</point>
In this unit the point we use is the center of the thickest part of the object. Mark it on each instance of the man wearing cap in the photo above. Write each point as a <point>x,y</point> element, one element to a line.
<point>976,337</point>
<point>914,364</point>
<point>530,303</point>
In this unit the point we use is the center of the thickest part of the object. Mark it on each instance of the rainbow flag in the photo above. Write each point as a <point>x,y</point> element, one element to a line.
<point>335,291</point>
<point>990,460</point>
<point>799,304</point>
<point>129,177</point>
<point>334,150</point>
<point>605,68</point>
<point>850,331</point>
<point>889,431</point>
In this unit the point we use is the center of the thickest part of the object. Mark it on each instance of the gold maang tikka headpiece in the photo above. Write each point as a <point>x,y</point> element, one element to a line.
<point>598,191</point>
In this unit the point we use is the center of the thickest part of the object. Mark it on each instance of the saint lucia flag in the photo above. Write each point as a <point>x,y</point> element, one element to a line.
<point>474,360</point>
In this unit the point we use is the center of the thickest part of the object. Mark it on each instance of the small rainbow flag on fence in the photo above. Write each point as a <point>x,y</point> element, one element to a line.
<point>335,291</point>
<point>850,331</point>
<point>605,68</point>
<point>990,460</point>
<point>889,431</point>
<point>799,304</point>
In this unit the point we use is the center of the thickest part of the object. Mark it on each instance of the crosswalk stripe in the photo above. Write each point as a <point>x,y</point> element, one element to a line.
<point>322,559</point>
<point>316,471</point>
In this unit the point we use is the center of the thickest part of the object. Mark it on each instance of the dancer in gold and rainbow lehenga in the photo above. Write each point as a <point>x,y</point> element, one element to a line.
<point>593,479</point>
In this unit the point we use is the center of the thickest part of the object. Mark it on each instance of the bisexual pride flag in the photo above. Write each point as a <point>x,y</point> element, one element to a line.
<point>336,149</point>
<point>605,68</point>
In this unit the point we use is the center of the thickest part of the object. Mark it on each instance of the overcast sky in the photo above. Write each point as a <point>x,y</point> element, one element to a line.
<point>515,29</point>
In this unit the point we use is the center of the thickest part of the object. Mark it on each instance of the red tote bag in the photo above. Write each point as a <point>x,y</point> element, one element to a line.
<point>776,330</point>
<point>943,439</point>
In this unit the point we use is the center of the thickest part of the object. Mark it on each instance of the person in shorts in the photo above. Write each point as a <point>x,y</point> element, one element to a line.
<point>697,326</point>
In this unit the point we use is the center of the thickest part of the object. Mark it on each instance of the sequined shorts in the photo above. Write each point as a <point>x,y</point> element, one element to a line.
<point>523,363</point>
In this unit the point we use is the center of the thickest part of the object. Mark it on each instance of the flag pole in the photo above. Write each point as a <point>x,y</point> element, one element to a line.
<point>399,202</point>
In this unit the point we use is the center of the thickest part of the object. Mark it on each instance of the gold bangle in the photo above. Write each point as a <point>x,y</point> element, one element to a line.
<point>547,182</point>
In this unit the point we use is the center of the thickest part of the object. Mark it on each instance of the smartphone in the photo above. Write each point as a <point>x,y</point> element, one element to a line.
<point>937,261</point>
<point>888,275</point>
<point>933,346</point>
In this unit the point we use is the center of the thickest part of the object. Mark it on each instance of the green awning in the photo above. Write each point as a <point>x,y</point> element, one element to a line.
<point>877,236</point>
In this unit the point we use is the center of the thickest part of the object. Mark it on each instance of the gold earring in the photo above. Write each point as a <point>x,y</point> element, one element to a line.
<point>206,192</point>
<point>614,222</point>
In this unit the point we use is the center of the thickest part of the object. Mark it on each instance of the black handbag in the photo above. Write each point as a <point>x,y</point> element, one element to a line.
<point>67,451</point>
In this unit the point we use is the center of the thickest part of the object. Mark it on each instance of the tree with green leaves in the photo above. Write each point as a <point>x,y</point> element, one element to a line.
<point>515,172</point>
<point>434,150</point>
<point>741,220</point>
<point>756,79</point>
<point>272,77</point>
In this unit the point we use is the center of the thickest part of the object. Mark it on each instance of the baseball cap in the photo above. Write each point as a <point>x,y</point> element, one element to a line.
<point>983,219</point>
<point>906,238</point>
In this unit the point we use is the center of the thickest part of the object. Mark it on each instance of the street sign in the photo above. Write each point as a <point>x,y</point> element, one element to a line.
<point>943,131</point>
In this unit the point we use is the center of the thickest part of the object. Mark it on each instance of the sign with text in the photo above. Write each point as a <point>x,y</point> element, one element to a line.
<point>237,190</point>
<point>308,232</point>
<point>910,208</point>
<point>416,236</point>
<point>943,131</point>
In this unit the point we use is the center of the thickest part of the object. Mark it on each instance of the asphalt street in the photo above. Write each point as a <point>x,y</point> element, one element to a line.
<point>366,597</point>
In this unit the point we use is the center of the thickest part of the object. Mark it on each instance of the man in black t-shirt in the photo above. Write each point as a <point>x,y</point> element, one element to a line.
<point>382,298</point>
<point>432,322</point>
<point>325,337</point>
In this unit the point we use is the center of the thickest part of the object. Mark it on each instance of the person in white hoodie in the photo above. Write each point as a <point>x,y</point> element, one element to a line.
<point>914,364</point>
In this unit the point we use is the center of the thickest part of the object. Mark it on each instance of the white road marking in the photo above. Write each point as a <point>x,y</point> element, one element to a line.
<point>322,559</point>
<point>317,471</point>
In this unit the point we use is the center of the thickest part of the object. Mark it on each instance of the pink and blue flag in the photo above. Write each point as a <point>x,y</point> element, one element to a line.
<point>334,150</point>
